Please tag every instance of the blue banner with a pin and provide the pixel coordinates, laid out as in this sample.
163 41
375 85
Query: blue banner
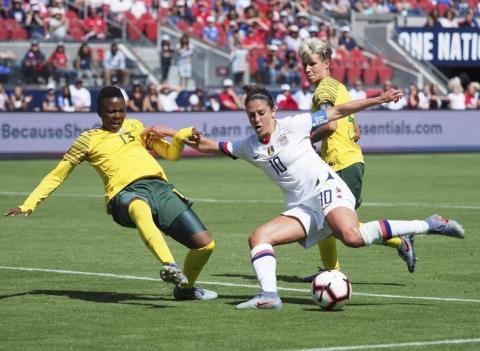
442 46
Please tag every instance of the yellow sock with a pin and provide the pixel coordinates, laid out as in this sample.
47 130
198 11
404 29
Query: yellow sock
393 242
328 253
141 215
194 262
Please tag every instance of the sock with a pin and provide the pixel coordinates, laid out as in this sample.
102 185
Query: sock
393 242
194 262
383 230
141 215
328 253
264 265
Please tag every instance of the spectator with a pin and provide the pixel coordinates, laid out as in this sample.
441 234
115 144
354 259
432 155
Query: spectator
114 63
290 72
64 101
150 101
17 13
293 40
35 23
432 21
270 66
357 92
196 101
229 100
95 25
471 96
469 20
413 98
166 55
456 97
167 99
3 99
135 101
238 57
85 65
210 31
252 40
285 100
213 103
118 9
34 65
424 97
81 98
124 92
313 31
392 105
57 24
184 64
449 20
303 97
49 103
58 63
18 102
346 41
436 99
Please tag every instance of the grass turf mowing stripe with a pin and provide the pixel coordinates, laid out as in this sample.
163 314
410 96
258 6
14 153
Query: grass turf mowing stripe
249 286
254 201
395 346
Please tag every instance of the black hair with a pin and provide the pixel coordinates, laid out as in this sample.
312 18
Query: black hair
255 91
107 93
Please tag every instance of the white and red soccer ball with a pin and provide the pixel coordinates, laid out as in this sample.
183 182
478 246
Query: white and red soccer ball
331 290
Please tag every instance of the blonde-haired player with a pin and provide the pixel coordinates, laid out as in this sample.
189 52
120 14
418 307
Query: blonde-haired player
339 143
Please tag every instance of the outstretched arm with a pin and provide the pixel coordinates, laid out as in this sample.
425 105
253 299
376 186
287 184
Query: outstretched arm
48 185
154 140
201 143
343 110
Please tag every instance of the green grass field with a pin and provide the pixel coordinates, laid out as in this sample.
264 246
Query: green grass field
131 309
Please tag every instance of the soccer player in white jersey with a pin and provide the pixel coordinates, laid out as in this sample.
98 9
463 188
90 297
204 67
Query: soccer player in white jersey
318 202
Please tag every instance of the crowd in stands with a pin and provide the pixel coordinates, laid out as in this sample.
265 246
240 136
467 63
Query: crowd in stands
261 36
164 98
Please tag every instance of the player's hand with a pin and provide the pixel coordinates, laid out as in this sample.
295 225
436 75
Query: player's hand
194 140
16 211
391 95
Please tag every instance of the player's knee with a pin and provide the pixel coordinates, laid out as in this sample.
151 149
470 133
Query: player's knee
351 237
259 236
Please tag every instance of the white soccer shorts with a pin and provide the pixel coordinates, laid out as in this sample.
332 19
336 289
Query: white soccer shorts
311 214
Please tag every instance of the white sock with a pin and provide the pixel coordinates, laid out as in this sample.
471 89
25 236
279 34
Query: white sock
264 265
380 231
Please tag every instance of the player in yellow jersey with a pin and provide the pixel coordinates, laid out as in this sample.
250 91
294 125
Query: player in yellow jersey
339 144
137 192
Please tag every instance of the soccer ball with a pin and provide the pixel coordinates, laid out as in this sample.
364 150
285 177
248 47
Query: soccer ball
331 290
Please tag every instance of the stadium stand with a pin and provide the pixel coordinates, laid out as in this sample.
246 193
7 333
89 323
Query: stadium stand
270 30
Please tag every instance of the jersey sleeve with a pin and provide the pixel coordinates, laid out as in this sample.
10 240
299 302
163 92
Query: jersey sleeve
172 151
48 185
79 149
325 94
234 150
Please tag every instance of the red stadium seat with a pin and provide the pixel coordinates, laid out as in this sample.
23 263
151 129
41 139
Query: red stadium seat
152 31
338 70
353 74
385 73
19 34
182 25
370 75
373 92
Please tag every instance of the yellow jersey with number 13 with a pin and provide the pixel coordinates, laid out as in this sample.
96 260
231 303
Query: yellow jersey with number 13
339 150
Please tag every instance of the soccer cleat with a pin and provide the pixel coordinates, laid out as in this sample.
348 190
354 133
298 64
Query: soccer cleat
172 273
194 294
443 226
261 302
310 278
407 252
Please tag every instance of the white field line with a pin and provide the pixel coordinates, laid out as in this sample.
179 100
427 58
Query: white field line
249 286
395 346
255 201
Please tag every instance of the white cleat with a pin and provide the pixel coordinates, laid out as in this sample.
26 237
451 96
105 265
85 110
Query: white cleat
261 302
